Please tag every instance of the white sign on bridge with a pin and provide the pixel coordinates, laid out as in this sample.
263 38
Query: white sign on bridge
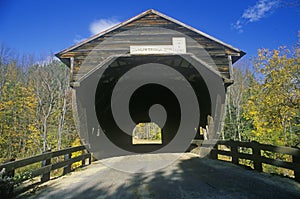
178 47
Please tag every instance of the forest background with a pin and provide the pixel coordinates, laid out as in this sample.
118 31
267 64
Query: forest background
263 104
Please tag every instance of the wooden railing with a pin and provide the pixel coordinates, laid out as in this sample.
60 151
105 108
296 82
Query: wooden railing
46 163
254 152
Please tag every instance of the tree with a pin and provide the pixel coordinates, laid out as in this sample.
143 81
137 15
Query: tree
17 114
51 88
237 95
274 105
35 106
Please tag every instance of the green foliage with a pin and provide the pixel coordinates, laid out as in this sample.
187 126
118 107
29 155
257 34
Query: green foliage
149 131
273 108
236 125
6 185
76 142
264 103
35 107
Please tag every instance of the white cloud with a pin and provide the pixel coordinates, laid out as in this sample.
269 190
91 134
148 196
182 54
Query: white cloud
78 39
238 26
261 9
101 25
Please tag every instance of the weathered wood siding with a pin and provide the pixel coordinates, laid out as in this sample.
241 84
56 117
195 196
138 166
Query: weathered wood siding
150 29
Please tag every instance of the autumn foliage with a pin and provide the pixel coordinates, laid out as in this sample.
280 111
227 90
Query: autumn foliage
267 99
35 106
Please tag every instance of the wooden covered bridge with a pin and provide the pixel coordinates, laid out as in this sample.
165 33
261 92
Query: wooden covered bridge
158 45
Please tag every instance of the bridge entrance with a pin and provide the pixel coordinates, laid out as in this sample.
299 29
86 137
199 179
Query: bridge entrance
149 95
150 68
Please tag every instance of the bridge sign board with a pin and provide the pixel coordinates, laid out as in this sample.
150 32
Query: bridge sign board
178 47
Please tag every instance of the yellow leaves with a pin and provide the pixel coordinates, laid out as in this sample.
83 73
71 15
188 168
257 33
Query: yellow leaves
141 124
10 102
32 128
256 133
76 142
269 130
274 104
253 113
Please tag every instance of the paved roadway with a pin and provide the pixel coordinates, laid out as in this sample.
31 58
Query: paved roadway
187 177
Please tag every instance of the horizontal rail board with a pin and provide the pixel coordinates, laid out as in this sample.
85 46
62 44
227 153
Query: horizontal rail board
45 162
70 161
280 163
41 171
281 149
66 151
28 161
24 162
257 157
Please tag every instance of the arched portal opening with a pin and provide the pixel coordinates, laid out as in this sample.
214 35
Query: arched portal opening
147 133
145 97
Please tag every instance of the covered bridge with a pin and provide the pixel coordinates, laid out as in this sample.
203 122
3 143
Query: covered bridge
119 76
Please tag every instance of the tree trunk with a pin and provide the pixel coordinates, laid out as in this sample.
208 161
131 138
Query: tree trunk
61 123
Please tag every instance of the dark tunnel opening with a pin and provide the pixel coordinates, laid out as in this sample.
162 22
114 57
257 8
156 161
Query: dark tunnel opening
145 97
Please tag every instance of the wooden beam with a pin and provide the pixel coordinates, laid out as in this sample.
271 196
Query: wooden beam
71 68
230 67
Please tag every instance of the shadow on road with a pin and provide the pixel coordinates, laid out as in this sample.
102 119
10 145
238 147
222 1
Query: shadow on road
189 177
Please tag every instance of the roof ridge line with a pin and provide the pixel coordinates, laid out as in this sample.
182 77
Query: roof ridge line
149 11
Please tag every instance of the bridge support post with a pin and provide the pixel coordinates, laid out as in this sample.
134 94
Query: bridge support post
46 176
214 153
83 160
234 152
256 156
67 168
12 172
10 188
296 169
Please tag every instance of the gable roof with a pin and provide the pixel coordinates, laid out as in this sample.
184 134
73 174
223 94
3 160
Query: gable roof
237 53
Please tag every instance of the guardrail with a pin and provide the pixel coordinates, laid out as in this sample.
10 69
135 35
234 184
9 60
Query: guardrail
236 150
8 169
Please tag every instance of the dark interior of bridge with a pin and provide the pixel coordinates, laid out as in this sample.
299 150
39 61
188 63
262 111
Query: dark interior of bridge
146 96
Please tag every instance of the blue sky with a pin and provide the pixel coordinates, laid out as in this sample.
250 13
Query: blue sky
39 27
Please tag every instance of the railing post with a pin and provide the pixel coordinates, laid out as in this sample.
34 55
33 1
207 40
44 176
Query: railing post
90 158
46 176
296 160
214 153
256 156
12 172
10 186
83 160
234 152
67 168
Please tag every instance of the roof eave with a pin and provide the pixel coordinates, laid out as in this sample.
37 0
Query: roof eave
102 33
59 54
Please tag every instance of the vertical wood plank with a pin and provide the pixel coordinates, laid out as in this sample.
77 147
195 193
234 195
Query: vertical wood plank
46 176
234 152
230 68
10 188
296 160
90 158
67 168
83 160
214 153
10 173
71 68
256 156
